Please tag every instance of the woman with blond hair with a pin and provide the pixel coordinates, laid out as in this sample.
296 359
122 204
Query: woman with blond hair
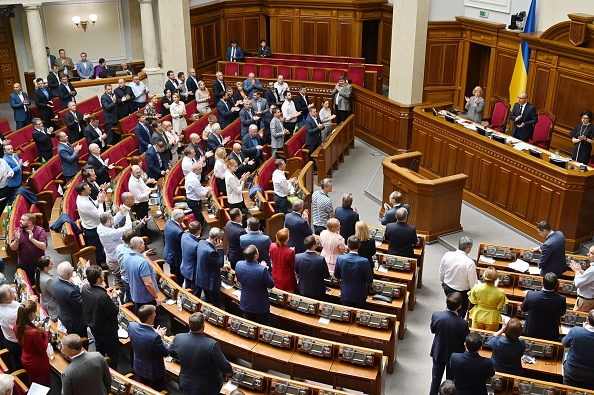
332 242
367 248
202 98
487 300
283 262
220 168
150 110
173 141
33 339
178 114
475 105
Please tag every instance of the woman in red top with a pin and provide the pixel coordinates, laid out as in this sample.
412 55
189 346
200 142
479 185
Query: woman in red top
283 262
34 341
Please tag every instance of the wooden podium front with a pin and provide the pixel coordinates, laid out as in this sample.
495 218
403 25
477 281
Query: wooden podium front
435 204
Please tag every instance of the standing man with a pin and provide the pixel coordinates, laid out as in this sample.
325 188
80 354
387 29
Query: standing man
277 132
584 281
252 145
195 192
524 117
312 270
43 139
290 113
75 123
128 200
51 59
248 117
226 111
173 252
44 103
189 263
141 192
259 105
457 272
348 216
401 236
84 67
201 360
68 156
251 85
9 307
282 187
101 313
450 331
53 81
124 95
192 83
272 96
156 166
149 348
69 299
552 257
66 92
110 113
143 133
471 371
355 275
111 238
578 369
303 105
234 230
257 238
219 88
342 94
390 209
139 91
255 282
234 52
172 83
19 102
30 242
65 64
85 370
210 261
298 225
313 127
16 165
321 206
544 308
215 140
94 134
89 211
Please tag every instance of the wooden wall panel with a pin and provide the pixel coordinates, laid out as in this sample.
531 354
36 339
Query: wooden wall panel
234 30
345 38
9 71
541 87
308 32
575 93
287 36
502 187
504 69
433 60
450 55
252 34
322 38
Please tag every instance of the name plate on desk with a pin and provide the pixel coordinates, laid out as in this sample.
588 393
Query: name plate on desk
166 288
118 387
123 321
567 288
283 387
227 277
573 318
138 391
495 383
582 261
213 209
485 337
525 387
395 263
377 234
499 252
276 338
314 347
277 298
381 288
530 256
578 392
247 380
54 338
215 317
236 325
530 282
356 356
539 350
303 306
372 320
188 304
334 312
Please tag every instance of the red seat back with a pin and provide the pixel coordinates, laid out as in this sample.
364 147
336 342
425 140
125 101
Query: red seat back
295 142
265 175
231 68
249 68
285 71
232 131
543 129
318 75
266 71
21 137
356 73
335 74
4 126
198 126
499 115
190 109
127 124
302 73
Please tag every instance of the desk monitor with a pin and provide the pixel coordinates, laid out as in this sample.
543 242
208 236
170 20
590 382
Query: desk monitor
536 153
450 118
105 73
481 131
561 163
499 139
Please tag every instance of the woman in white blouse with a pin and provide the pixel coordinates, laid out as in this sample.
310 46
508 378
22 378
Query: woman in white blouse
234 187
173 141
202 98
220 168
178 113
326 116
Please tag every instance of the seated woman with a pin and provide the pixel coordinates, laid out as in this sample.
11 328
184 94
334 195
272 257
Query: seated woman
508 350
487 300
102 66
332 242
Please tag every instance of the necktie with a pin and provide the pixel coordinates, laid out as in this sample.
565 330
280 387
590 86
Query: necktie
92 201
160 161
521 109
45 93
226 105
232 54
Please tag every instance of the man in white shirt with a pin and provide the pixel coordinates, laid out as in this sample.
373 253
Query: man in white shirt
5 191
457 272
280 86
89 211
290 114
141 192
140 90
8 315
282 187
137 225
189 159
111 238
195 192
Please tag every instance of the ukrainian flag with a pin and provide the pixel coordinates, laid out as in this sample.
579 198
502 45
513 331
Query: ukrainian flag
520 76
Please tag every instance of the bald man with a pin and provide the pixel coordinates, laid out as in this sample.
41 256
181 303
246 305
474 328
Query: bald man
245 164
19 102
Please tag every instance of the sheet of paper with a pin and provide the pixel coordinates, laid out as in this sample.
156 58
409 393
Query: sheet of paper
534 271
505 319
382 269
211 216
226 286
486 259
520 266
230 386
521 146
122 333
38 389
324 320
565 329
237 293
170 302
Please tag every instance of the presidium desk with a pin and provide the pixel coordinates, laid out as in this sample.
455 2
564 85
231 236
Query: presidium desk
511 185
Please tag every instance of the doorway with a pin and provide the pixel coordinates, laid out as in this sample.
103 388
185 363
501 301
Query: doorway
478 70
369 41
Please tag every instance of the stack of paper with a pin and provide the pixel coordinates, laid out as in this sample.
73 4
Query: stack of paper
520 266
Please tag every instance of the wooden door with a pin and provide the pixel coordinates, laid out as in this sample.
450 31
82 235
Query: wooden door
9 73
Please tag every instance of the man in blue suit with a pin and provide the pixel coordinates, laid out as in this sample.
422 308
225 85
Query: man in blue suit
19 102
257 238
68 156
390 209
234 230
471 371
298 226
255 282
544 307
347 215
401 236
252 84
84 67
173 251
313 127
226 111
247 117
355 275
524 117
189 263
143 133
210 261
110 113
149 348
234 52
552 257
16 164
69 299
450 332
156 166
312 270
252 144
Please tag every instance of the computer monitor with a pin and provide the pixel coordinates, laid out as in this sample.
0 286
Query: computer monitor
481 131
450 118
499 139
536 153
558 162
106 73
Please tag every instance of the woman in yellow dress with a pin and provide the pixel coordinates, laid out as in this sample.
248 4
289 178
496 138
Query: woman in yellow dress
487 300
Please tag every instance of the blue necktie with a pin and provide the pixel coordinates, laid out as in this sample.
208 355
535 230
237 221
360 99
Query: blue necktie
45 93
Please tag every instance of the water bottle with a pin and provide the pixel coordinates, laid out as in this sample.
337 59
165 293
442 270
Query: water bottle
50 351
179 304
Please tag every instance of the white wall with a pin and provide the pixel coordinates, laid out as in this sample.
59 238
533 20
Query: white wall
556 11
445 10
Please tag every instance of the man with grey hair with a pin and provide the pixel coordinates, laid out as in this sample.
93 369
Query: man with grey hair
137 225
195 192
6 384
85 371
141 192
111 238
9 307
215 140
210 261
173 252
69 299
401 236
321 206
298 225
457 272
252 144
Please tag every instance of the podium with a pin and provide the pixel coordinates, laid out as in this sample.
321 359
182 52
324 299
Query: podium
435 204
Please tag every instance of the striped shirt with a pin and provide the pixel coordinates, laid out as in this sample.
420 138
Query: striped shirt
321 207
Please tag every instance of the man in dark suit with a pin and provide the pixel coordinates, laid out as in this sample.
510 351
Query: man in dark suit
298 225
101 313
101 166
210 261
215 140
272 96
390 209
70 301
44 103
544 308
257 238
524 117
450 332
347 215
66 92
312 269
149 348
313 127
94 134
124 97
302 104
53 81
189 263
233 231
192 82
143 133
172 235
252 145
552 251
156 167
255 281
19 102
88 373
247 117
202 363
471 371
75 123
219 87
43 139
68 156
244 163
172 84
110 113
355 275
51 59
226 111
234 52
401 236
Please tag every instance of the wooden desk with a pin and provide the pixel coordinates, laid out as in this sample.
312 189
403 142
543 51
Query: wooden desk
397 276
506 183
334 148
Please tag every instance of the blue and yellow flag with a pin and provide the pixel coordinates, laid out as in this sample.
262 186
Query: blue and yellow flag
520 76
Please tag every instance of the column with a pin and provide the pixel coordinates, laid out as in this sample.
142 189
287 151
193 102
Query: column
37 39
149 46
175 36
407 60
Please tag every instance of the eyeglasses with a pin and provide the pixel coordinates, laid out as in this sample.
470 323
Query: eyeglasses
586 118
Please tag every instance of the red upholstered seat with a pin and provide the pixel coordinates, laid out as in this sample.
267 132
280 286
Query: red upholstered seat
190 109
301 73
285 71
499 114
378 68
336 73
89 106
250 59
57 105
198 126
127 124
543 130
34 111
356 74
318 75
266 71
249 68
296 142
265 175
21 137
232 131
231 68
4 126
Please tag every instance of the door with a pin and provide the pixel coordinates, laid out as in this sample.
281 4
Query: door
9 73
